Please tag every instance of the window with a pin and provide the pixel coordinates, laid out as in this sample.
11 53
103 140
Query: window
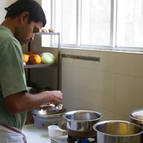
130 23
65 20
95 22
110 24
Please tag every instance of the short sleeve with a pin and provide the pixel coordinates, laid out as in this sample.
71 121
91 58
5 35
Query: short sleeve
12 75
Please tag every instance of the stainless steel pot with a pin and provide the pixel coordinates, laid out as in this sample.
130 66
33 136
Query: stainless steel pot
118 131
80 122
136 117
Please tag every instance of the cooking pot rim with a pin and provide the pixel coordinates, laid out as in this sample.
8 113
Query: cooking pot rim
36 113
109 121
88 111
133 117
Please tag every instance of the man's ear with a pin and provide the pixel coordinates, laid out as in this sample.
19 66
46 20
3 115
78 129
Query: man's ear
24 17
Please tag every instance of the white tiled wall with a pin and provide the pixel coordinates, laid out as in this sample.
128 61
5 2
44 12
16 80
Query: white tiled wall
113 86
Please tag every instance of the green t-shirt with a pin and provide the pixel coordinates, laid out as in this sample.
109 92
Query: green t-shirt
12 76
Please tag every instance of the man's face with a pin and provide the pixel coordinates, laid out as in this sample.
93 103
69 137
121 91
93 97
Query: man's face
26 32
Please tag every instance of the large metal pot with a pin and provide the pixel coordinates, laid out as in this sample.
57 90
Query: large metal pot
136 117
118 131
80 122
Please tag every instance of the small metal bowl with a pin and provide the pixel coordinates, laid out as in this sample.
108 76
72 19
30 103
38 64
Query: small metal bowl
80 123
136 117
48 111
82 120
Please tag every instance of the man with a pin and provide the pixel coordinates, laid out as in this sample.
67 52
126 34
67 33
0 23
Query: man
24 18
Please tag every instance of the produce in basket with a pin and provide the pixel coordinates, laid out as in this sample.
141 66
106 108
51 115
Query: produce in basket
25 58
47 58
35 59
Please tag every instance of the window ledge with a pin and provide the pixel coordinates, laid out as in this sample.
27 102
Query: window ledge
106 49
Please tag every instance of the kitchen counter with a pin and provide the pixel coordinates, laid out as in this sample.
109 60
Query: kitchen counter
36 135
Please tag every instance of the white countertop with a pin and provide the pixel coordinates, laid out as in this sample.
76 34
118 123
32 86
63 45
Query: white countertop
36 135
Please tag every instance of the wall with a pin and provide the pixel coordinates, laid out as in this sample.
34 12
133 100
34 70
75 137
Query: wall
112 86
6 3
3 4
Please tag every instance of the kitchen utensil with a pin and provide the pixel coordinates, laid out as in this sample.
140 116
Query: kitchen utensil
136 117
52 108
80 122
43 118
50 111
55 131
43 123
118 131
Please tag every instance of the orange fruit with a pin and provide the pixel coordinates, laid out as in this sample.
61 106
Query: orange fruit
26 58
35 59
31 53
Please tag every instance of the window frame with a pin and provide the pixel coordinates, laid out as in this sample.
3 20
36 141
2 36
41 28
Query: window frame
113 29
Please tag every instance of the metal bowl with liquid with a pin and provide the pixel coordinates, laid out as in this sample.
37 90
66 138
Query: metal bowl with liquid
118 131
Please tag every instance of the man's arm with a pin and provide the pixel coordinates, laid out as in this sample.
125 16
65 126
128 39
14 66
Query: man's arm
25 101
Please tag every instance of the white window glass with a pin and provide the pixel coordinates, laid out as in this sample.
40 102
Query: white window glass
46 5
95 23
130 23
65 20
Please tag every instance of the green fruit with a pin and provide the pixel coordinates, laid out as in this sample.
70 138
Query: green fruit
47 58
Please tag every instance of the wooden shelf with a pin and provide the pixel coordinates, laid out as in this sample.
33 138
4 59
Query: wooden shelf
31 66
47 33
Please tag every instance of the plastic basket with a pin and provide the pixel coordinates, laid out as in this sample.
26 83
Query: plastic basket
43 123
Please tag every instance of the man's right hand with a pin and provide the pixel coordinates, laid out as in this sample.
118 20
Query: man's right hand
55 96
25 101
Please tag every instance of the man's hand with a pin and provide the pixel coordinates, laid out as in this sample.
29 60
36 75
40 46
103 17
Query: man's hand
55 96
25 101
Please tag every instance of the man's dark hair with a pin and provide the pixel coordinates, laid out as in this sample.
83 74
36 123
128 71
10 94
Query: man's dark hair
36 13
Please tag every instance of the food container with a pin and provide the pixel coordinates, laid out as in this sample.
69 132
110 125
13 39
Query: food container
118 131
55 131
80 122
49 110
43 123
136 117
44 118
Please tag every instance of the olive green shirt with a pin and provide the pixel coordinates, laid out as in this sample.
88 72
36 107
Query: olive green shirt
12 76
